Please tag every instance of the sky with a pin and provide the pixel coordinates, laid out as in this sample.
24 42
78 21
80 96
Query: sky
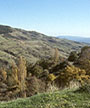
51 17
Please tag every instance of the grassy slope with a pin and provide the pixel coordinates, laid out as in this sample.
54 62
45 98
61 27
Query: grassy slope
62 99
32 45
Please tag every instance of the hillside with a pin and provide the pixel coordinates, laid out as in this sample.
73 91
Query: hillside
60 99
32 45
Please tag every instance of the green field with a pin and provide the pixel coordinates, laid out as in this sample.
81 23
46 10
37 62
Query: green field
59 99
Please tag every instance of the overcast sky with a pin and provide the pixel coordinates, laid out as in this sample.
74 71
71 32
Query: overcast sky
51 17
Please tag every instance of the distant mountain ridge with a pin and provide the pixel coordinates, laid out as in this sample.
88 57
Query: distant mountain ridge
76 38
32 45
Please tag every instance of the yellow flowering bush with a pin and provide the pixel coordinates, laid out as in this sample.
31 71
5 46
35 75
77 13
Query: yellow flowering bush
51 77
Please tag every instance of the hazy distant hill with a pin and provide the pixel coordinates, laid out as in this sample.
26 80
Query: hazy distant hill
76 38
32 45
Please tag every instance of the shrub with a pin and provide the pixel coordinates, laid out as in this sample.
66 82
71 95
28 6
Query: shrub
32 86
13 82
84 59
71 73
85 88
3 74
13 76
56 55
51 77
73 56
37 71
85 48
22 74
44 63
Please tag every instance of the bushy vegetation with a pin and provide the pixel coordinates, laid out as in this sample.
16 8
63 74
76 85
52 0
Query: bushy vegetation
73 56
23 80
71 73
